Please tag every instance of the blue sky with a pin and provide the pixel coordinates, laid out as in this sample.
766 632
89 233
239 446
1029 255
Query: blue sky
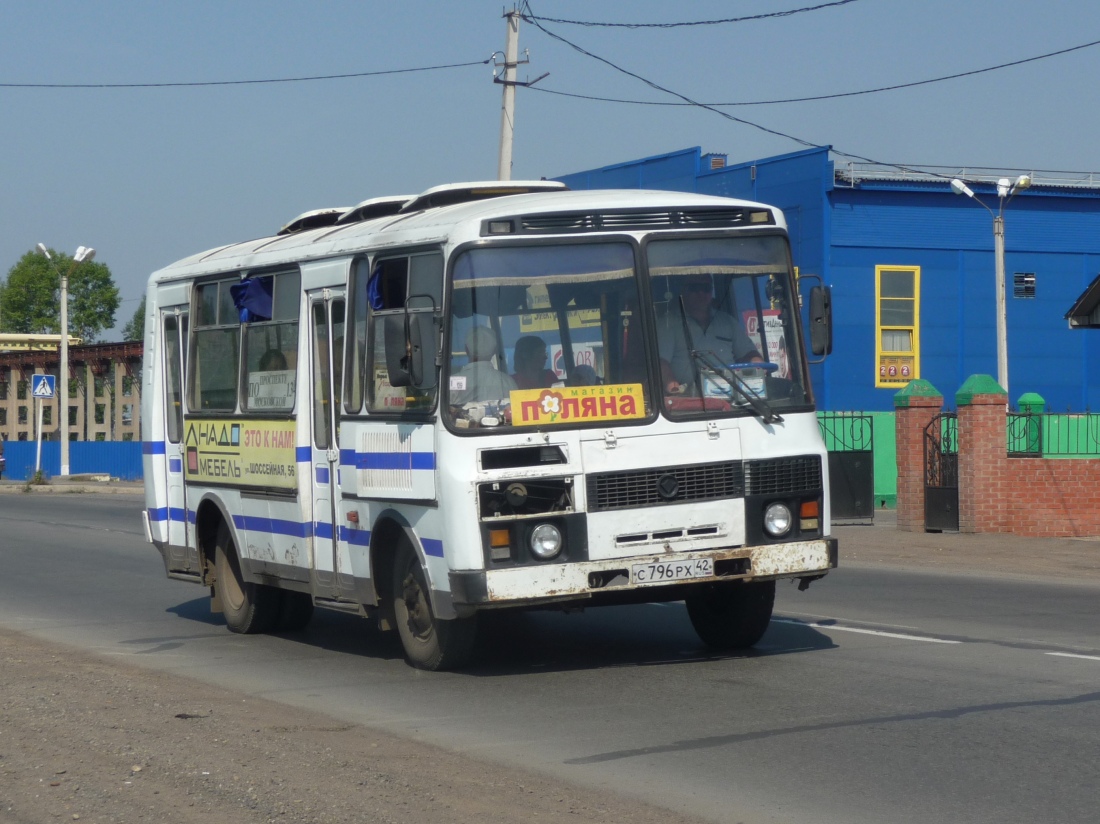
147 176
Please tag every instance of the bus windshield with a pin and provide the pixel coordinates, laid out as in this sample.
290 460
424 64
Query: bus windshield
546 335
727 326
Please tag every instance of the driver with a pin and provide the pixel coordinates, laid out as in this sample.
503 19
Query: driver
712 330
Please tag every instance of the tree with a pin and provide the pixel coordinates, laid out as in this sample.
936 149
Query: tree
30 297
135 329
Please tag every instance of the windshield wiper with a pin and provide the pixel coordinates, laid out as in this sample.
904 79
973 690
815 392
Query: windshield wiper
737 384
711 362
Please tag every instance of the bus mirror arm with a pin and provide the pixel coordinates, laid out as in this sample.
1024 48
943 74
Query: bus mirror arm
404 353
405 346
821 320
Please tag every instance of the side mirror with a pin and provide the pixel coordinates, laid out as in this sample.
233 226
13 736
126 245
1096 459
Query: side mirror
404 350
821 320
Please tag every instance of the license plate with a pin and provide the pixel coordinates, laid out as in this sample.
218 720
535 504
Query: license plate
660 572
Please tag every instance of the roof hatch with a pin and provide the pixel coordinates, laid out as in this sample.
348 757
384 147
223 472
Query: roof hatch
452 193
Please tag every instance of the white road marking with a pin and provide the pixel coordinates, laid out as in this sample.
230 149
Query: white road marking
847 620
1072 655
818 625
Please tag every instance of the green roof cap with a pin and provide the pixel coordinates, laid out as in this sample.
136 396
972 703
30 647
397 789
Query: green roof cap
978 385
916 389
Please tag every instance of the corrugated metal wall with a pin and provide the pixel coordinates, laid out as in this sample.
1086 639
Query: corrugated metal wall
119 459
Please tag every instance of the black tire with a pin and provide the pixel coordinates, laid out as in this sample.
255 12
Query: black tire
430 643
248 608
731 616
295 611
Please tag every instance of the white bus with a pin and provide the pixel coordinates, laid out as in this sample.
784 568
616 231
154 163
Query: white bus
488 397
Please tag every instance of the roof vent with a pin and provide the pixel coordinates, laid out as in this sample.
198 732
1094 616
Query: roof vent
316 219
452 193
373 208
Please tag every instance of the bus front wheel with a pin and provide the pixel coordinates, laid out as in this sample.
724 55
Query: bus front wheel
430 643
248 608
731 616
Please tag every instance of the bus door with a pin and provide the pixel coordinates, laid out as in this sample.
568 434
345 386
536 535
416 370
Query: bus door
331 565
173 329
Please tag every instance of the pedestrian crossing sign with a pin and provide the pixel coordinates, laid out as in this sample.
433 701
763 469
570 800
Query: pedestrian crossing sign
43 387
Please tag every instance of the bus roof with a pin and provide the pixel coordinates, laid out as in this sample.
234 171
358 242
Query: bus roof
631 210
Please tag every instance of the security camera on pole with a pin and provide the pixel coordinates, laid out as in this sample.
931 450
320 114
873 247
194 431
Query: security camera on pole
83 253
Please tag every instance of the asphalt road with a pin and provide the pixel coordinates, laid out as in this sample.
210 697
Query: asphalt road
879 695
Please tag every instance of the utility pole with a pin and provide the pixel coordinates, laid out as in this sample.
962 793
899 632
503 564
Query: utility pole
63 377
83 253
1002 308
508 104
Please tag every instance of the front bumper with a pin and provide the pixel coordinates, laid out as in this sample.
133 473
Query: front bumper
547 583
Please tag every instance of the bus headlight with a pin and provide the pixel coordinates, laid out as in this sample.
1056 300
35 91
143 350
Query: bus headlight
545 541
777 520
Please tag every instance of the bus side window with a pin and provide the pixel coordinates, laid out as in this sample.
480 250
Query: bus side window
215 366
271 346
356 347
173 387
413 283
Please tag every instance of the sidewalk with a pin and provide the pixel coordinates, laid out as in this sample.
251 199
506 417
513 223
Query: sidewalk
103 484
987 553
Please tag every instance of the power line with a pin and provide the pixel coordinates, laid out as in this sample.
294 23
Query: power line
837 94
529 16
692 22
238 82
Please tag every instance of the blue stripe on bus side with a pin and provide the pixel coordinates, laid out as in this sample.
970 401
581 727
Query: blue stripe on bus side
355 537
165 513
432 547
303 454
274 526
152 447
388 460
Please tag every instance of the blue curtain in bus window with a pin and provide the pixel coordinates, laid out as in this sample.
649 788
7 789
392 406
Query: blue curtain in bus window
252 297
374 290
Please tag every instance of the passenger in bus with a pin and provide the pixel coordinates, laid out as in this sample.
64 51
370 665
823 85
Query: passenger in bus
479 380
711 330
530 361
583 375
273 360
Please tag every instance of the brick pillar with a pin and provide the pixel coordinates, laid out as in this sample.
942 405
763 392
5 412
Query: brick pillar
914 408
983 456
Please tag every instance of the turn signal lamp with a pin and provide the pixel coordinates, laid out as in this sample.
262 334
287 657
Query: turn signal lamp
809 516
500 544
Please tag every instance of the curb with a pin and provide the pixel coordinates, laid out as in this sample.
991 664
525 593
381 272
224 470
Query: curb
73 487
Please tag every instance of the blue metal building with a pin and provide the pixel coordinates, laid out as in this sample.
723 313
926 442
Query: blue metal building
912 268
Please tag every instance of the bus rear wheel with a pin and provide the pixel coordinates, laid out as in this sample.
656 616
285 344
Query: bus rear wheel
731 616
430 643
248 608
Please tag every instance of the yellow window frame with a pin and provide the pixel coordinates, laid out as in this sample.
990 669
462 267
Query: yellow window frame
891 366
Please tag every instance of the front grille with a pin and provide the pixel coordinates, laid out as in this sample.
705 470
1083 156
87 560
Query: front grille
783 475
643 488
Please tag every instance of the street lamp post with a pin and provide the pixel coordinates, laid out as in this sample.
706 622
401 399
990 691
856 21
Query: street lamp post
1006 190
83 253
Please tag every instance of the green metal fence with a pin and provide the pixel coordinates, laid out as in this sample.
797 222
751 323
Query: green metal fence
1053 435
